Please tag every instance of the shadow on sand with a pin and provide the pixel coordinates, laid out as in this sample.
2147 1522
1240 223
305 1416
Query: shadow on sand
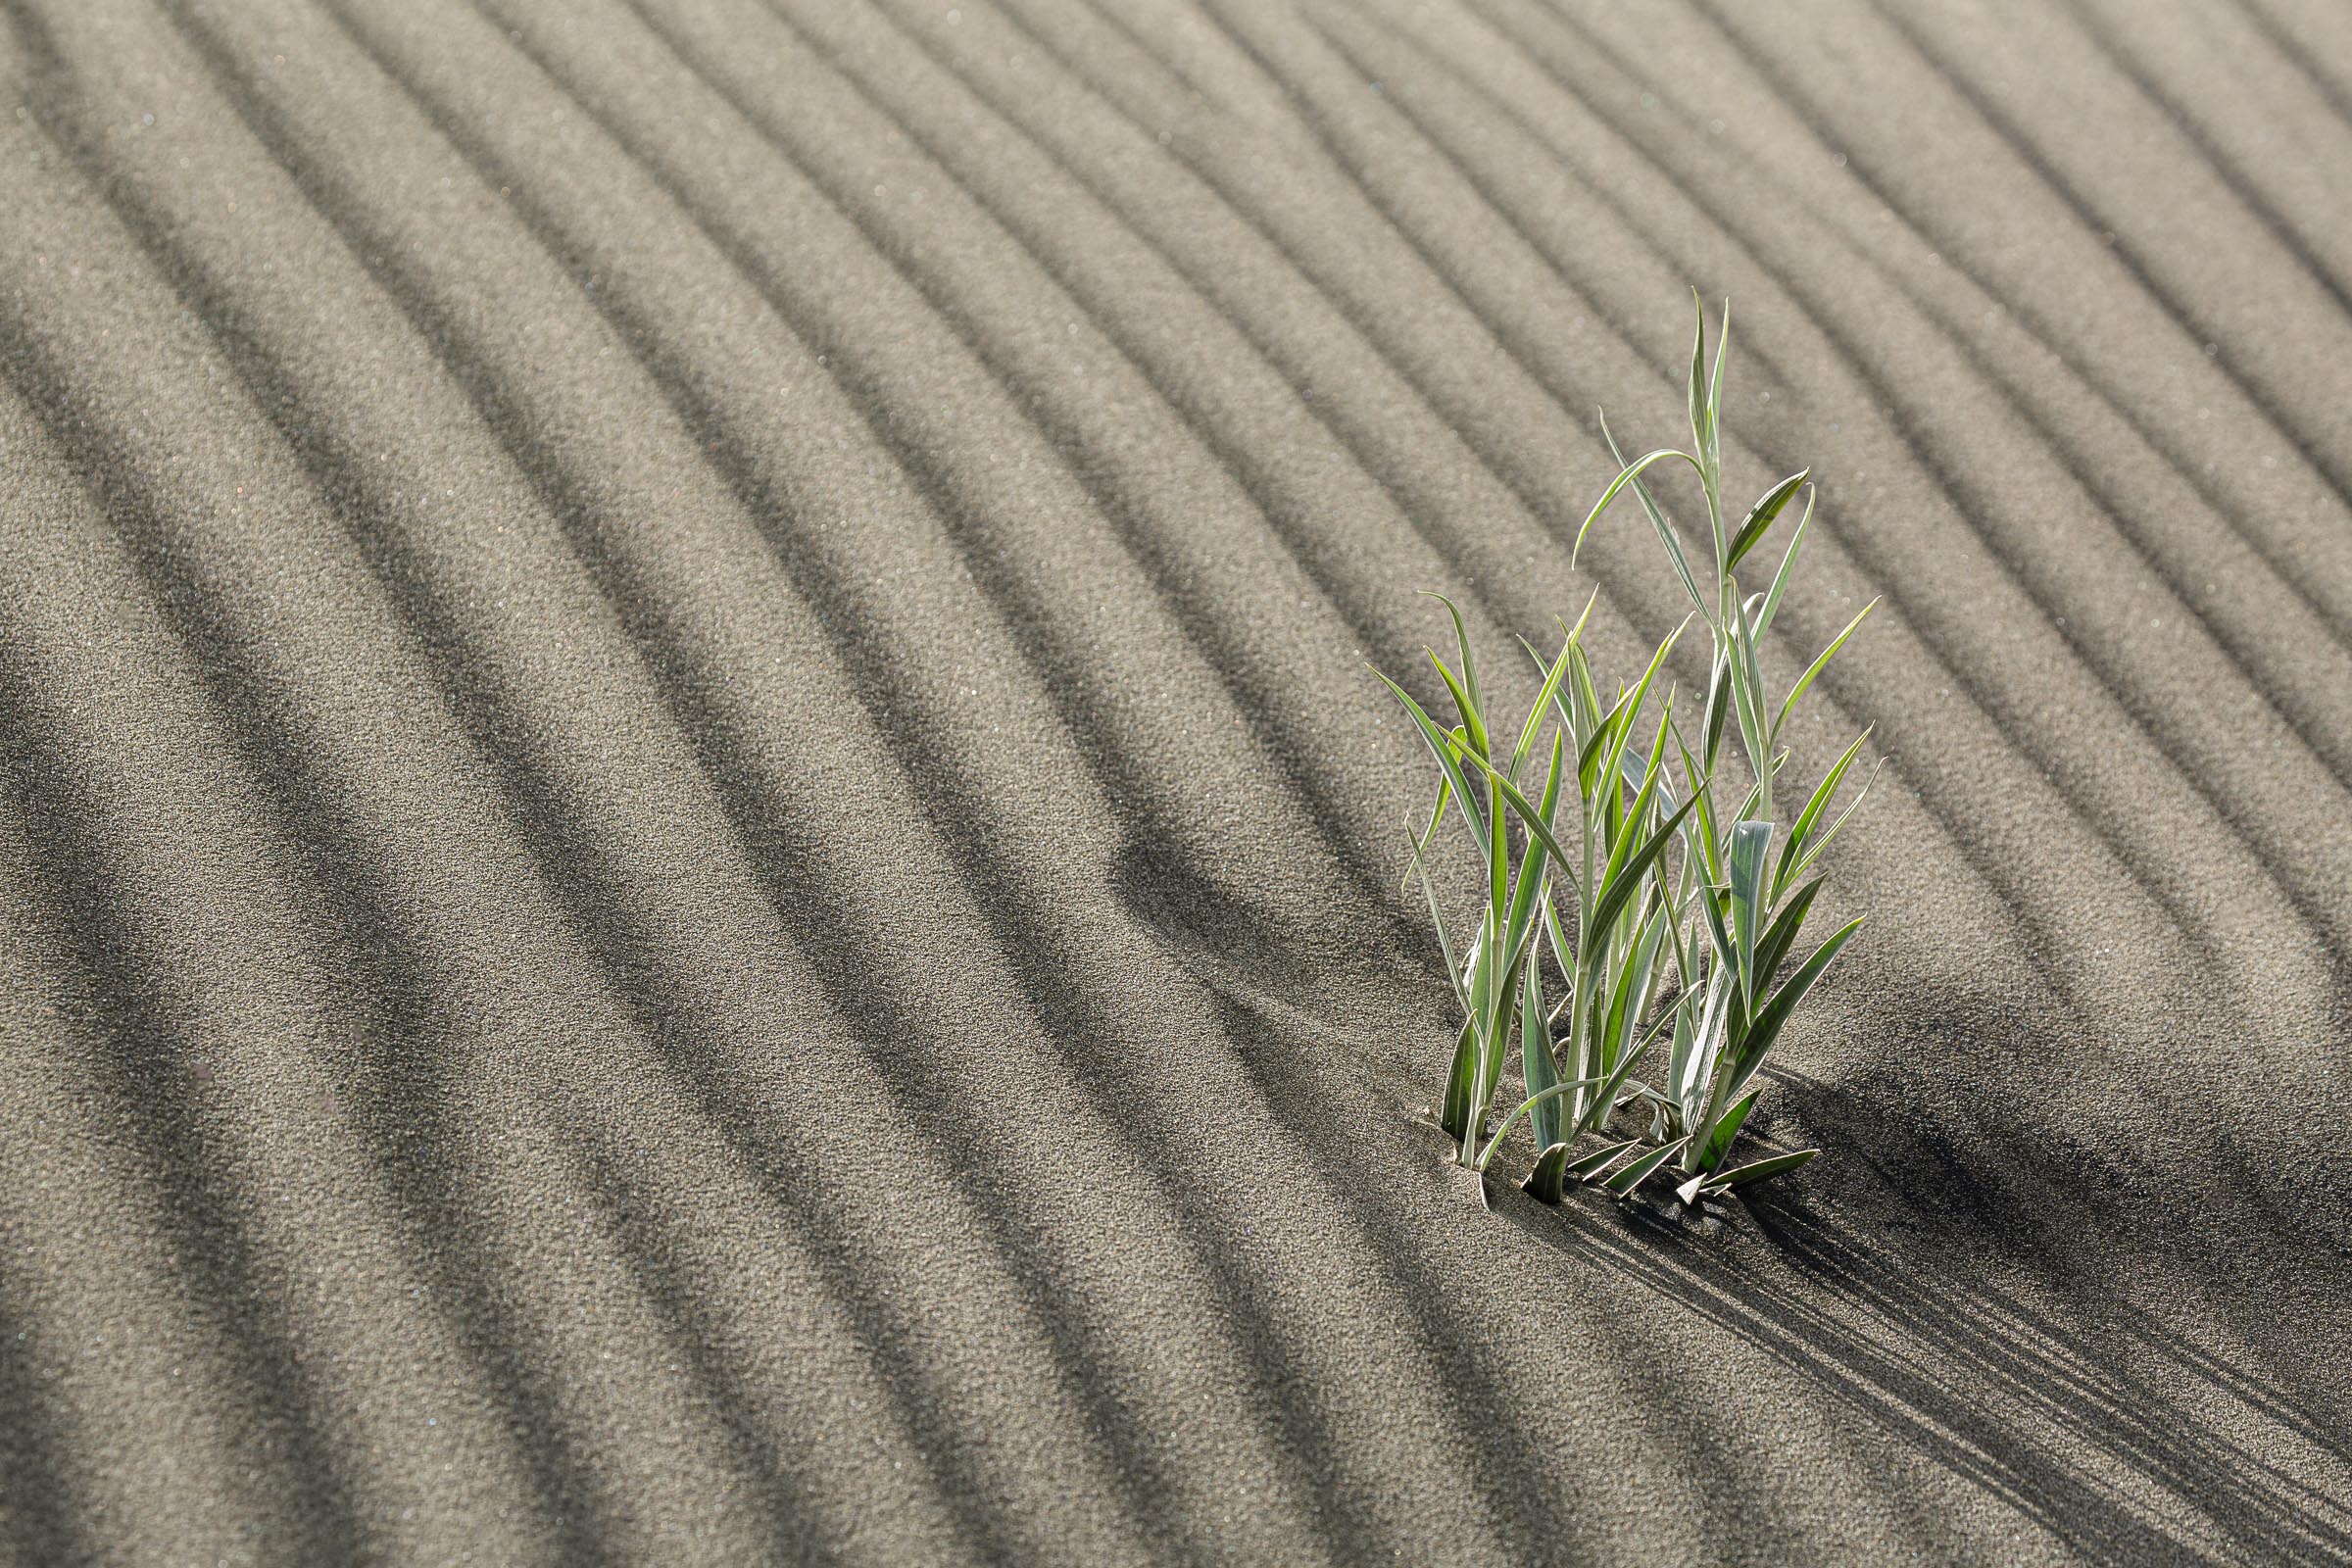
1913 1293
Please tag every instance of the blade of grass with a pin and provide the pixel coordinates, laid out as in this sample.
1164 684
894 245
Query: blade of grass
1822 842
1750 843
1719 708
1535 822
1454 968
1819 665
1624 827
1641 695
1698 388
1421 845
1449 758
1512 1120
1665 531
1534 726
1761 516
1455 1112
1588 760
1710 860
1531 865
1613 900
1461 640
1726 1128
1583 706
1629 999
1597 1111
1766 1026
1535 1055
1622 1184
1474 722
1547 1181
1773 946
1755 1172
1629 472
1587 1166
1748 703
1780 578
1723 349
1822 794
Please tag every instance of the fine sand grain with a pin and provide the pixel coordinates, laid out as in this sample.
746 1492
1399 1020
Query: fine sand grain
695 864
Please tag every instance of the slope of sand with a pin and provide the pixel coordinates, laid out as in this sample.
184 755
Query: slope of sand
696 865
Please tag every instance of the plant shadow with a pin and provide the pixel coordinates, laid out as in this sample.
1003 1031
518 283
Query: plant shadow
2080 1410
1930 1279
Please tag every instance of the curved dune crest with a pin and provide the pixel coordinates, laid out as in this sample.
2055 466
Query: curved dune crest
697 865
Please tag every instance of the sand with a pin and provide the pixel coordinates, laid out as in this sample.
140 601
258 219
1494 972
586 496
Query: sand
697 868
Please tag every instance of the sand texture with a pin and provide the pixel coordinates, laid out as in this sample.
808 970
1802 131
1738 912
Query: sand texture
696 865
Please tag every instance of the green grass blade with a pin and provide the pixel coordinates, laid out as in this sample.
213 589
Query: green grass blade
1819 803
1461 640
1597 1109
1683 1067
1535 1055
1719 708
1819 665
1748 694
1641 696
1535 715
1626 475
1624 825
1719 931
1723 350
1698 385
1727 1127
1522 942
1536 824
1710 860
1454 968
1474 722
1750 843
1421 844
1456 1112
1531 865
1697 1093
1769 1021
1665 531
1501 1001
1821 841
1584 705
1614 896
1547 1183
1560 949
1480 983
1512 1120
1630 998
1576 632
1588 760
1761 516
1780 578
1667 802
1757 1171
1450 758
1772 948
1619 998
1622 1184
1585 1167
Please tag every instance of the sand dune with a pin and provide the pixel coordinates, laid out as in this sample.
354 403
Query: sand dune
698 866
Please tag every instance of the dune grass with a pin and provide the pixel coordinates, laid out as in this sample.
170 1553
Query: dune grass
1672 900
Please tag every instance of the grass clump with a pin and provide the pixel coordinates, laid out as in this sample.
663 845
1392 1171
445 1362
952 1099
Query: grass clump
1658 875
